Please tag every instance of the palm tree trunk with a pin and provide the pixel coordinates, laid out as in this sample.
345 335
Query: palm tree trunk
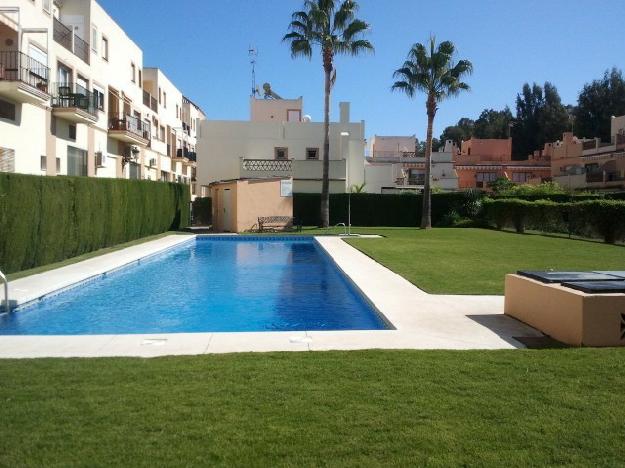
325 180
426 212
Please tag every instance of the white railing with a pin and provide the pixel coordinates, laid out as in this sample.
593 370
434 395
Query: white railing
7 305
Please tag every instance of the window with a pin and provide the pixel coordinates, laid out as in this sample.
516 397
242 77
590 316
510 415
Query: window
281 153
293 115
134 171
164 176
7 110
64 74
312 153
160 95
43 163
58 165
133 73
164 99
486 176
140 78
94 39
177 111
105 48
7 160
521 177
76 161
162 133
98 98
72 132
45 4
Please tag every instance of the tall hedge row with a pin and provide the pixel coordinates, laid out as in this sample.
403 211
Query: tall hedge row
369 209
589 218
49 219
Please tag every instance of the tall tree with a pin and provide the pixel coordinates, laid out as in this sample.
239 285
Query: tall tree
493 124
432 70
540 118
332 26
597 103
460 132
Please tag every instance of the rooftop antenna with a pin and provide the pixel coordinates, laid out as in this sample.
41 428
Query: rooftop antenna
253 53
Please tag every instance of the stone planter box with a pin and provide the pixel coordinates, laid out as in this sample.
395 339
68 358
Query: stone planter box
567 315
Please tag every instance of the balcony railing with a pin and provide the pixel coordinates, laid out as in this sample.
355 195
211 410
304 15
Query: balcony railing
131 124
65 36
73 96
17 66
185 153
62 34
149 101
595 176
268 165
81 49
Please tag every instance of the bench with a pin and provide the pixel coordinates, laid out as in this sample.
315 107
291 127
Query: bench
275 223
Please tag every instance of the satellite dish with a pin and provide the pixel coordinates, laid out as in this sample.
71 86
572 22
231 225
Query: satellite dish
307 119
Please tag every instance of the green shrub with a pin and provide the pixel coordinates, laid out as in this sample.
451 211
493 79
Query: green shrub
374 209
588 218
202 211
48 219
607 217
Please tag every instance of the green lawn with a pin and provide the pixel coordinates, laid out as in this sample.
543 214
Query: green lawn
440 408
475 261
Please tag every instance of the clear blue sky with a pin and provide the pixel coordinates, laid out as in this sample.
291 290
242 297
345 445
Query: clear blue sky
202 46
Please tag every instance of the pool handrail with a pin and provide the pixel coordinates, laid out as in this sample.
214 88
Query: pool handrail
3 278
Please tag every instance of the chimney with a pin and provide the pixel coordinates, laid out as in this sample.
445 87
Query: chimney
344 107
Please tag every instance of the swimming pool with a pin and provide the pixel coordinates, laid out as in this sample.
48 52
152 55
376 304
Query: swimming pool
212 284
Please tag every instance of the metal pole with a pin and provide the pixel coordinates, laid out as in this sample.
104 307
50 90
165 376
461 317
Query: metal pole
7 306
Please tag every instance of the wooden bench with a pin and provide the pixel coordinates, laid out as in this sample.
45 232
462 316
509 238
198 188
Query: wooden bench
275 223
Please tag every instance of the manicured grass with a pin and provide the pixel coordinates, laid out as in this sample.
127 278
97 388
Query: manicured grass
95 253
440 408
475 261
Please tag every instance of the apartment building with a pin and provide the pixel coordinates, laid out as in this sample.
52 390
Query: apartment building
579 163
482 161
393 165
75 98
279 141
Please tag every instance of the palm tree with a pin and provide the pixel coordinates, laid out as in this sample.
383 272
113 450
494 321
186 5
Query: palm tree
435 73
333 27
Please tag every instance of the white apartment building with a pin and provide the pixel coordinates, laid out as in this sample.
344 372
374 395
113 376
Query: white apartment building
279 141
393 166
75 98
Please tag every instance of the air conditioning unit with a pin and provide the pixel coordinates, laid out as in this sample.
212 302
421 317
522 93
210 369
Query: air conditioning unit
153 162
100 159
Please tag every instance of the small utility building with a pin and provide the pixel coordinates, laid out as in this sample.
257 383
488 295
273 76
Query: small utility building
237 204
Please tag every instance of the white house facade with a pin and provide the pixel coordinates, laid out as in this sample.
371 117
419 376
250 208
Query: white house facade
393 165
75 98
279 141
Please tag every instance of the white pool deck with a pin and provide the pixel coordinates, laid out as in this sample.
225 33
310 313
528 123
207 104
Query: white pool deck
421 320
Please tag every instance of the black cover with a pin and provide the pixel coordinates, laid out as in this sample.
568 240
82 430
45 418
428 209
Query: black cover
598 287
568 276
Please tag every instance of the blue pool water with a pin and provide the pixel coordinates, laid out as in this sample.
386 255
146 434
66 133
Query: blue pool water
208 285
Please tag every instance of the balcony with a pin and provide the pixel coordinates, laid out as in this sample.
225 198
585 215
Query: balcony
71 41
71 101
129 129
22 78
299 169
188 158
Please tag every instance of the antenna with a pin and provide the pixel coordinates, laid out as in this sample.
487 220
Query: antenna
253 53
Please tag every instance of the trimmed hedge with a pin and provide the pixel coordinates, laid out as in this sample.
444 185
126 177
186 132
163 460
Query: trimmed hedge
588 218
49 219
370 209
202 209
